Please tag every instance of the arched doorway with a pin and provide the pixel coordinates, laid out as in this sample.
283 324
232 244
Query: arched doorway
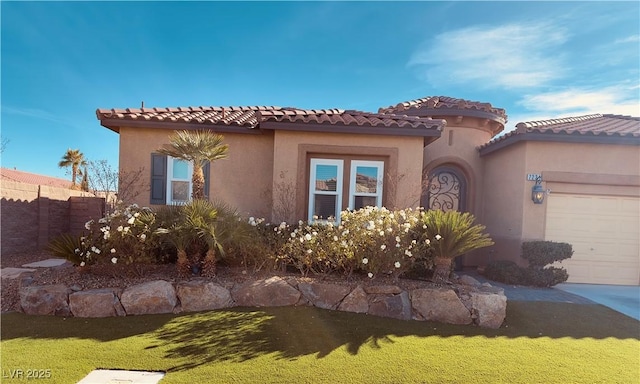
446 189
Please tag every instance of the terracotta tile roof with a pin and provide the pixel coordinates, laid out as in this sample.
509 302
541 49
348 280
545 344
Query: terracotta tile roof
598 128
226 116
349 118
435 104
252 117
32 178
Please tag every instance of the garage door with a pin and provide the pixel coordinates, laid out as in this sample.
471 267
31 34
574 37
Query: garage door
604 232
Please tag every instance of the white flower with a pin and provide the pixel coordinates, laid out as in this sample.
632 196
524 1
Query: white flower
119 229
370 275
381 233
143 237
371 225
424 226
309 251
397 245
427 241
307 237
389 229
136 214
87 225
438 237
82 264
114 260
283 225
365 261
335 238
131 220
125 229
397 264
408 253
106 235
77 250
397 239
383 247
293 234
113 250
302 239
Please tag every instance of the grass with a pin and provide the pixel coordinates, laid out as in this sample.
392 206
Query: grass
539 343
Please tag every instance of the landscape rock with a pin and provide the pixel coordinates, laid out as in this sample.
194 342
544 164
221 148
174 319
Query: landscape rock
271 292
468 280
396 306
14 273
152 297
357 301
94 303
200 295
490 309
440 304
383 289
326 296
45 300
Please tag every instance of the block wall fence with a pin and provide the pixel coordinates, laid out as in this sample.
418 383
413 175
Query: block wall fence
32 215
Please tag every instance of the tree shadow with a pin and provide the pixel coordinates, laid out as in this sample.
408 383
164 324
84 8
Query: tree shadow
240 334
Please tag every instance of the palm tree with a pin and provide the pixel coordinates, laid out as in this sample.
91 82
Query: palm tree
75 159
196 147
451 234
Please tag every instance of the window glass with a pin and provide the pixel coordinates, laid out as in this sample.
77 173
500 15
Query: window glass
325 206
326 177
366 179
180 169
364 201
179 191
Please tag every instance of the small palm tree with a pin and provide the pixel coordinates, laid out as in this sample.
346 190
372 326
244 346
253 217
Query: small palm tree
451 234
196 147
75 159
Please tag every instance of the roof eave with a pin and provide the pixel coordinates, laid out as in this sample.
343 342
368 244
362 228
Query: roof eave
433 132
116 124
558 137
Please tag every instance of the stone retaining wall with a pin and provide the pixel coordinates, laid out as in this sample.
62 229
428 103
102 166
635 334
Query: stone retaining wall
469 303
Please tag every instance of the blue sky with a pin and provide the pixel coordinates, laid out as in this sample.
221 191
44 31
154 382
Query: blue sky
538 60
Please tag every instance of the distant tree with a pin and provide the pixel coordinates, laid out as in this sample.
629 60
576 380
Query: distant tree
3 144
196 147
84 184
73 159
108 181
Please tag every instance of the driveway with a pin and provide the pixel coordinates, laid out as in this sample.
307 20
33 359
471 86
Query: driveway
621 298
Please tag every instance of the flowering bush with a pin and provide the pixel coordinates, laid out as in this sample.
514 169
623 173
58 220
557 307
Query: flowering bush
124 236
372 240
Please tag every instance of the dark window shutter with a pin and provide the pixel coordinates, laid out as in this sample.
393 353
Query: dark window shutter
158 179
206 169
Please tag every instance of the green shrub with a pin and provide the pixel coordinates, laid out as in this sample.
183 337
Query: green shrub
505 271
66 246
542 253
544 277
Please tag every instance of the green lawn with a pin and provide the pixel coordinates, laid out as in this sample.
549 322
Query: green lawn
539 343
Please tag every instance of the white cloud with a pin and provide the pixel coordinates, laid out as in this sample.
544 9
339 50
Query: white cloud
506 56
630 39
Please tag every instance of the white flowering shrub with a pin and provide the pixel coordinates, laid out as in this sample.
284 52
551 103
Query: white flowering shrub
124 236
372 240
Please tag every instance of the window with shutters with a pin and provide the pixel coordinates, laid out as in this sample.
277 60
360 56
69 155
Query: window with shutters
171 180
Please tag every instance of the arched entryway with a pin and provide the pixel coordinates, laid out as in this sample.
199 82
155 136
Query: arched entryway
445 189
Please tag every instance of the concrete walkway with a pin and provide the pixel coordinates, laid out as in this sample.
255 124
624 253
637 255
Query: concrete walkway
620 298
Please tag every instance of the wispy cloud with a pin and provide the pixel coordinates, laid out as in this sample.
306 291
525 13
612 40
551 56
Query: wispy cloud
506 56
40 114
617 99
629 39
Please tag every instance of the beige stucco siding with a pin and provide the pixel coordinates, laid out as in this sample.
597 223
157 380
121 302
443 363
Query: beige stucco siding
578 168
243 179
403 156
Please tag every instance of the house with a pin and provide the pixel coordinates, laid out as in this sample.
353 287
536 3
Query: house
437 152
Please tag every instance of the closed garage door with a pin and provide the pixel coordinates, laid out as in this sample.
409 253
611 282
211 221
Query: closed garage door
604 232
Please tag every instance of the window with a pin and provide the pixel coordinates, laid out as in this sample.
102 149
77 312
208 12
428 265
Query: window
326 186
366 184
179 181
171 180
325 189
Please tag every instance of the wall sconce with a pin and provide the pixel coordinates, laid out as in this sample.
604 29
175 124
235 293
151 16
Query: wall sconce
537 192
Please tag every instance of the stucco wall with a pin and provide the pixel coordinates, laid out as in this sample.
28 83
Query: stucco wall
510 215
403 155
457 146
242 180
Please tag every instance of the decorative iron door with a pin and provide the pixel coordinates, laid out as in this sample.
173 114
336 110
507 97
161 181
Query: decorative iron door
446 190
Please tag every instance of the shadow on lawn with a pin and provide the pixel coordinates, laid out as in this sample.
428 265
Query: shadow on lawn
240 334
